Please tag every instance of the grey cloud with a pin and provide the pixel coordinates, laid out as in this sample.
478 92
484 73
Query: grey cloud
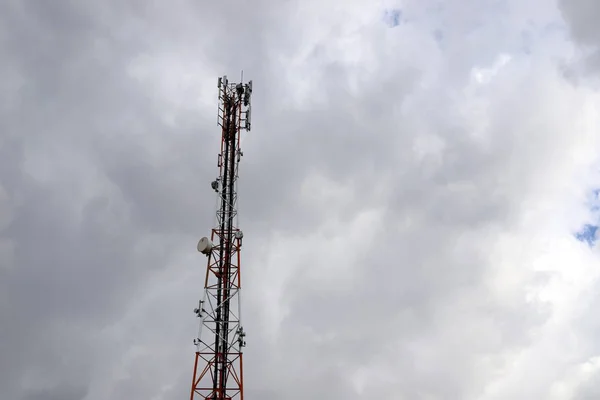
581 17
78 258
590 390
414 272
65 392
107 197
68 270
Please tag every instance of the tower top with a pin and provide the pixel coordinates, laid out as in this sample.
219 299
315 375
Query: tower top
235 93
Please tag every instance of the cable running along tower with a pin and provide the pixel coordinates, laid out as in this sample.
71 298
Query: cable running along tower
221 338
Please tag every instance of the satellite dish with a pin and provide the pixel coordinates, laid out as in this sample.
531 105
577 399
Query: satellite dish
205 246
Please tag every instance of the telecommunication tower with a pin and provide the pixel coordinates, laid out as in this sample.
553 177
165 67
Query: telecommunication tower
218 373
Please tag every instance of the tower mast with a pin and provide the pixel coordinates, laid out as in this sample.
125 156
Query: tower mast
218 373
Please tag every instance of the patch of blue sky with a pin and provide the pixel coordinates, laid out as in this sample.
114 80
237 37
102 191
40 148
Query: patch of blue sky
590 232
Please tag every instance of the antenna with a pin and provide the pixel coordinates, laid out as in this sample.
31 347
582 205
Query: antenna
221 338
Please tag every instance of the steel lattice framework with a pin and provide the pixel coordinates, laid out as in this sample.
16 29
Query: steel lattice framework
218 372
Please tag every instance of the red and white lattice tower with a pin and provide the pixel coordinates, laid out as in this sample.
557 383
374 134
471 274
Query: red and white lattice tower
221 338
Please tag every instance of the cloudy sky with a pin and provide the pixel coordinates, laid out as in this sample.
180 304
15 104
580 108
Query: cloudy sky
417 196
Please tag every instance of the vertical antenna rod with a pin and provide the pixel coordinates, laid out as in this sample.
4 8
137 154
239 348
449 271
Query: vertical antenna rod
218 373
